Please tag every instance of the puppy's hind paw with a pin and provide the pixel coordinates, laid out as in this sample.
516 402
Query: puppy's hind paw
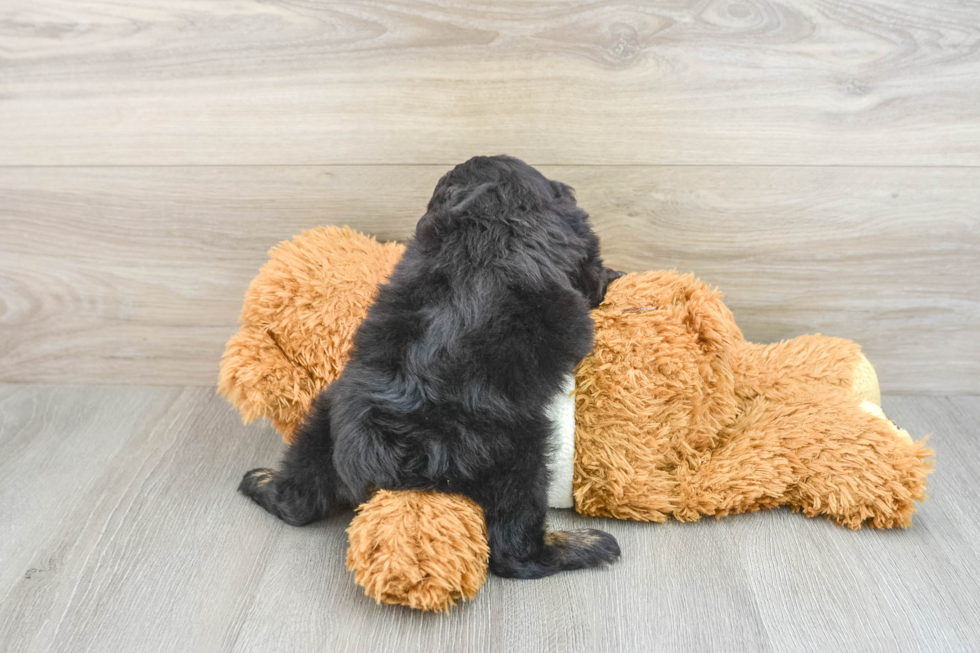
257 485
583 548
255 480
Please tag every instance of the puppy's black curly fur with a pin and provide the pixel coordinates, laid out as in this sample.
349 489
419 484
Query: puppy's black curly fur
453 369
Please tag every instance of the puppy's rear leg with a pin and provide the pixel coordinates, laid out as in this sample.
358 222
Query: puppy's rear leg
304 488
520 547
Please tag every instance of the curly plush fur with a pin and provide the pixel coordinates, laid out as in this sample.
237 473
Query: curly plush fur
425 550
454 366
676 415
298 322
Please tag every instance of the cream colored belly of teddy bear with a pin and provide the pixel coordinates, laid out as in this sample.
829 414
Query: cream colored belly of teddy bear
561 454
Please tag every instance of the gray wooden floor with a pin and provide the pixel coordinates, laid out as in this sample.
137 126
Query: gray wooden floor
120 530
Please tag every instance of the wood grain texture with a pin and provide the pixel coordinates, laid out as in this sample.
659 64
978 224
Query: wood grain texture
799 82
136 275
139 541
123 532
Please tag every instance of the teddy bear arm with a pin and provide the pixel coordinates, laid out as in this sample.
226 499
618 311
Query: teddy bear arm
747 471
261 381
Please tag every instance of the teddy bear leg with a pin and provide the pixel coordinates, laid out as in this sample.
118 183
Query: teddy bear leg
305 487
780 369
821 453
864 382
852 464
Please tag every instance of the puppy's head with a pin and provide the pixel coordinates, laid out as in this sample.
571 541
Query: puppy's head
494 182
508 201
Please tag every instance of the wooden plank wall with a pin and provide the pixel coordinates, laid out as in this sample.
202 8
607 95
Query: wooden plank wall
819 161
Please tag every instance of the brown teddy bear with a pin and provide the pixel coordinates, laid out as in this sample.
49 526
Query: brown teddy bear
672 414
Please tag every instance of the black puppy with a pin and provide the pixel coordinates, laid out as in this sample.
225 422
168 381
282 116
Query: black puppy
455 365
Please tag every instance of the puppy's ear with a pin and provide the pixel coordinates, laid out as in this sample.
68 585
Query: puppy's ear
592 280
563 191
608 276
425 227
448 203
460 198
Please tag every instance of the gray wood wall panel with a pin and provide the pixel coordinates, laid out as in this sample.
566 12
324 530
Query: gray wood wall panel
796 82
136 274
816 160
